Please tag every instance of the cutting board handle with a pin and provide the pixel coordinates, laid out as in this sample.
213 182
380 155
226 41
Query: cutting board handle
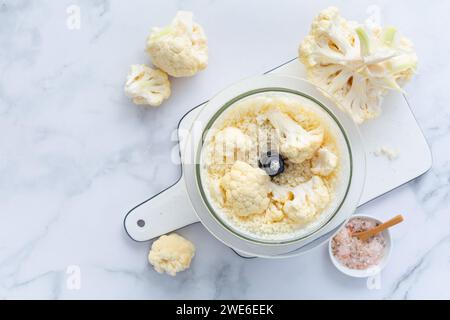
165 212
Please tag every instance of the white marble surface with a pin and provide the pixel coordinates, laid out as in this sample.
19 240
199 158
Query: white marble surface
76 155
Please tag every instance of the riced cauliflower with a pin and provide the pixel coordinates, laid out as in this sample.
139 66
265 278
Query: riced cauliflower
147 86
324 162
297 144
356 64
179 49
246 189
231 144
171 254
309 199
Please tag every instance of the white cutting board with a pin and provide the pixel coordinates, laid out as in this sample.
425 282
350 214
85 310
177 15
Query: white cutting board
396 128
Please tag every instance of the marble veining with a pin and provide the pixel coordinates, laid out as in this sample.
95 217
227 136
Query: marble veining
76 154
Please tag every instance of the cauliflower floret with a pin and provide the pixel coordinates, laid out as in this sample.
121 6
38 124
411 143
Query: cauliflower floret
354 64
331 40
147 86
309 199
246 189
274 214
324 162
231 144
297 144
171 254
180 49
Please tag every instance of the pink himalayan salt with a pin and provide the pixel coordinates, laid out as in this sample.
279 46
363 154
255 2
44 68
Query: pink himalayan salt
355 253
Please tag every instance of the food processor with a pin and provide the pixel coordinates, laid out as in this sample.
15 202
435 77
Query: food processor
186 201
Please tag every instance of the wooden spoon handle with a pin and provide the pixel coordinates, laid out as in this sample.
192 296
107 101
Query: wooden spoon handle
364 235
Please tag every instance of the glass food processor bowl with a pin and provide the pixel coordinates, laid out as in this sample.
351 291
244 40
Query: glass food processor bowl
342 184
349 183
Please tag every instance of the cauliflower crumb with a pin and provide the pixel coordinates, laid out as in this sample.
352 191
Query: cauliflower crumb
171 254
387 152
147 86
246 189
181 48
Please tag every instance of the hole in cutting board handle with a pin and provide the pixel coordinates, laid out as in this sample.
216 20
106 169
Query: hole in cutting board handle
141 223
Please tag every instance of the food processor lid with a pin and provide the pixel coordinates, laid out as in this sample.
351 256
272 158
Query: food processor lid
193 145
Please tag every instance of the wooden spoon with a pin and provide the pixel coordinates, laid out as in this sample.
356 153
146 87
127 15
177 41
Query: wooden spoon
364 235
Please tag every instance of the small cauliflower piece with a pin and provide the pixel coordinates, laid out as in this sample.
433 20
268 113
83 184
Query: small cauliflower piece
356 64
309 199
231 144
297 144
246 189
171 254
324 162
147 86
274 214
388 152
181 48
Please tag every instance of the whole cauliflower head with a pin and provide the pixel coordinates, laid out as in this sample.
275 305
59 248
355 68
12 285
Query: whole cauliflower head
231 144
308 199
246 189
356 64
324 162
171 254
181 48
296 144
147 86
